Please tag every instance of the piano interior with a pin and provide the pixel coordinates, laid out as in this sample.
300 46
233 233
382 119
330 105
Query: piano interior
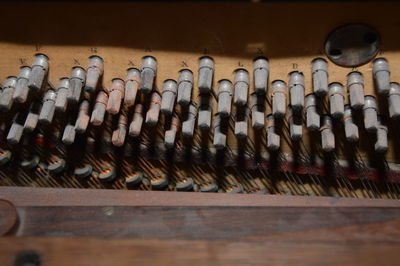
280 99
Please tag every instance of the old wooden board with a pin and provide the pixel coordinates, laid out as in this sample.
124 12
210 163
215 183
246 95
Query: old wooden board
105 227
50 197
179 215
89 251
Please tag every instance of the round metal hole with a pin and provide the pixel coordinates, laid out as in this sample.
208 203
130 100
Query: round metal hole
352 45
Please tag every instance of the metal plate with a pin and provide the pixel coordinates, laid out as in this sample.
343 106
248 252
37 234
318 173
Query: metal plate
352 45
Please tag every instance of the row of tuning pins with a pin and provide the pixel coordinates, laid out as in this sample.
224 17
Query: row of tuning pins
358 102
28 84
124 92
373 122
68 92
228 93
27 87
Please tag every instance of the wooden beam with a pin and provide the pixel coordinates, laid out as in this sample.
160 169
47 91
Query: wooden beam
89 251
25 196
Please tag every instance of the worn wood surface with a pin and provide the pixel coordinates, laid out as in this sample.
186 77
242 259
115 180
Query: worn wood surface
89 251
173 228
24 196
108 213
308 224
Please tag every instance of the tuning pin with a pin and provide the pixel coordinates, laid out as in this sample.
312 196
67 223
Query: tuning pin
296 87
76 82
116 93
355 84
350 128
279 92
327 136
241 122
381 144
99 109
206 72
224 98
205 112
62 94
185 86
32 117
6 98
295 125
148 74
48 107
336 100
320 76
313 119
17 128
168 96
40 67
21 88
190 121
220 132
394 100
273 139
90 146
370 114
132 85
241 87
118 136
170 134
257 111
94 71
68 135
83 117
261 73
154 110
380 69
137 121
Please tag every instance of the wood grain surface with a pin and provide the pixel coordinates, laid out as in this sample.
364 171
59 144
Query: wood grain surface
89 251
212 223
103 228
25 197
